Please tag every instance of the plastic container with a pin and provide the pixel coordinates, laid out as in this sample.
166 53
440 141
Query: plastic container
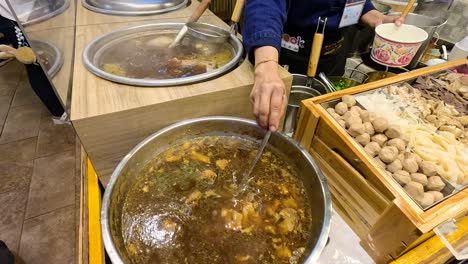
460 50
396 46
451 233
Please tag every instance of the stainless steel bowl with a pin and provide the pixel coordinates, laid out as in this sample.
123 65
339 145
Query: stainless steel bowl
123 177
301 80
133 7
297 94
52 53
31 12
94 51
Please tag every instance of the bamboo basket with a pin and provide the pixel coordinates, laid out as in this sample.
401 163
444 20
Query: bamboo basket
388 222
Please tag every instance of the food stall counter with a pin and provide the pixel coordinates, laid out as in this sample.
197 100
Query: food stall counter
111 118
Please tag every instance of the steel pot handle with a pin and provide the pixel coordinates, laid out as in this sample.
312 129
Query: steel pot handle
437 37
360 72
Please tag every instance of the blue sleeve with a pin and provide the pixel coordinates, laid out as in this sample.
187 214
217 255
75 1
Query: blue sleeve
263 24
368 6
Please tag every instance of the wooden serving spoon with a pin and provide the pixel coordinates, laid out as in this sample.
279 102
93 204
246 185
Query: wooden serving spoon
236 14
407 8
194 18
315 51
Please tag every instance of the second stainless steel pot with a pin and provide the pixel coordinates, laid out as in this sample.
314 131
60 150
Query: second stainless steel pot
93 53
301 80
297 94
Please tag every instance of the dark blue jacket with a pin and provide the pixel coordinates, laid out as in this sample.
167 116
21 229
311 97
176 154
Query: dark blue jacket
264 19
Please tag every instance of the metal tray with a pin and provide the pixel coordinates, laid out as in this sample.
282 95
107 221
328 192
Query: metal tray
34 11
93 52
448 191
133 8
53 54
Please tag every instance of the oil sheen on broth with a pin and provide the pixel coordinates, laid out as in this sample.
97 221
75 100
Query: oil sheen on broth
184 207
148 57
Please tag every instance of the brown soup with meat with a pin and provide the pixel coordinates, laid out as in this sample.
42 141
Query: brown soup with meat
148 57
185 207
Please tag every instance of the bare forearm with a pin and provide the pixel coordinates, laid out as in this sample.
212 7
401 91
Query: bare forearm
374 18
267 55
268 91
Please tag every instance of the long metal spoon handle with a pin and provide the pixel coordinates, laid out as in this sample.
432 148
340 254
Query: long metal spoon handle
193 18
246 177
327 82
199 11
259 153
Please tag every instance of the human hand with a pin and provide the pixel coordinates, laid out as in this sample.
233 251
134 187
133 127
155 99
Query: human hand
394 19
268 95
7 52
374 18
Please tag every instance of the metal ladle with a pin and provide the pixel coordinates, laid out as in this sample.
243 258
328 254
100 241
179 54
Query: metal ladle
327 82
208 35
193 18
246 178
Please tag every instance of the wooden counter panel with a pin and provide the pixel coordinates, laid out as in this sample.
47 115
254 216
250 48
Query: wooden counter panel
108 138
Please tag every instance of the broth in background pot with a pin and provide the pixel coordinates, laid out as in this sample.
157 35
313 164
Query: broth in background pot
185 207
148 57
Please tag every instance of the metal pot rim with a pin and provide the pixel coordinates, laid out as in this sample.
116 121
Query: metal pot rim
133 13
96 44
47 16
297 105
57 63
439 20
106 233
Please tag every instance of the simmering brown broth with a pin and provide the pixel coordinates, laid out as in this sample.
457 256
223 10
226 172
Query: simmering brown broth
183 207
148 57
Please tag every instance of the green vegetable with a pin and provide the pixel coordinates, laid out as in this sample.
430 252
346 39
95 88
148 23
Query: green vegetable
340 85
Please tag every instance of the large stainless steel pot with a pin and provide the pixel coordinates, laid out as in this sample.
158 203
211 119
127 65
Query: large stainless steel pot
92 55
123 177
